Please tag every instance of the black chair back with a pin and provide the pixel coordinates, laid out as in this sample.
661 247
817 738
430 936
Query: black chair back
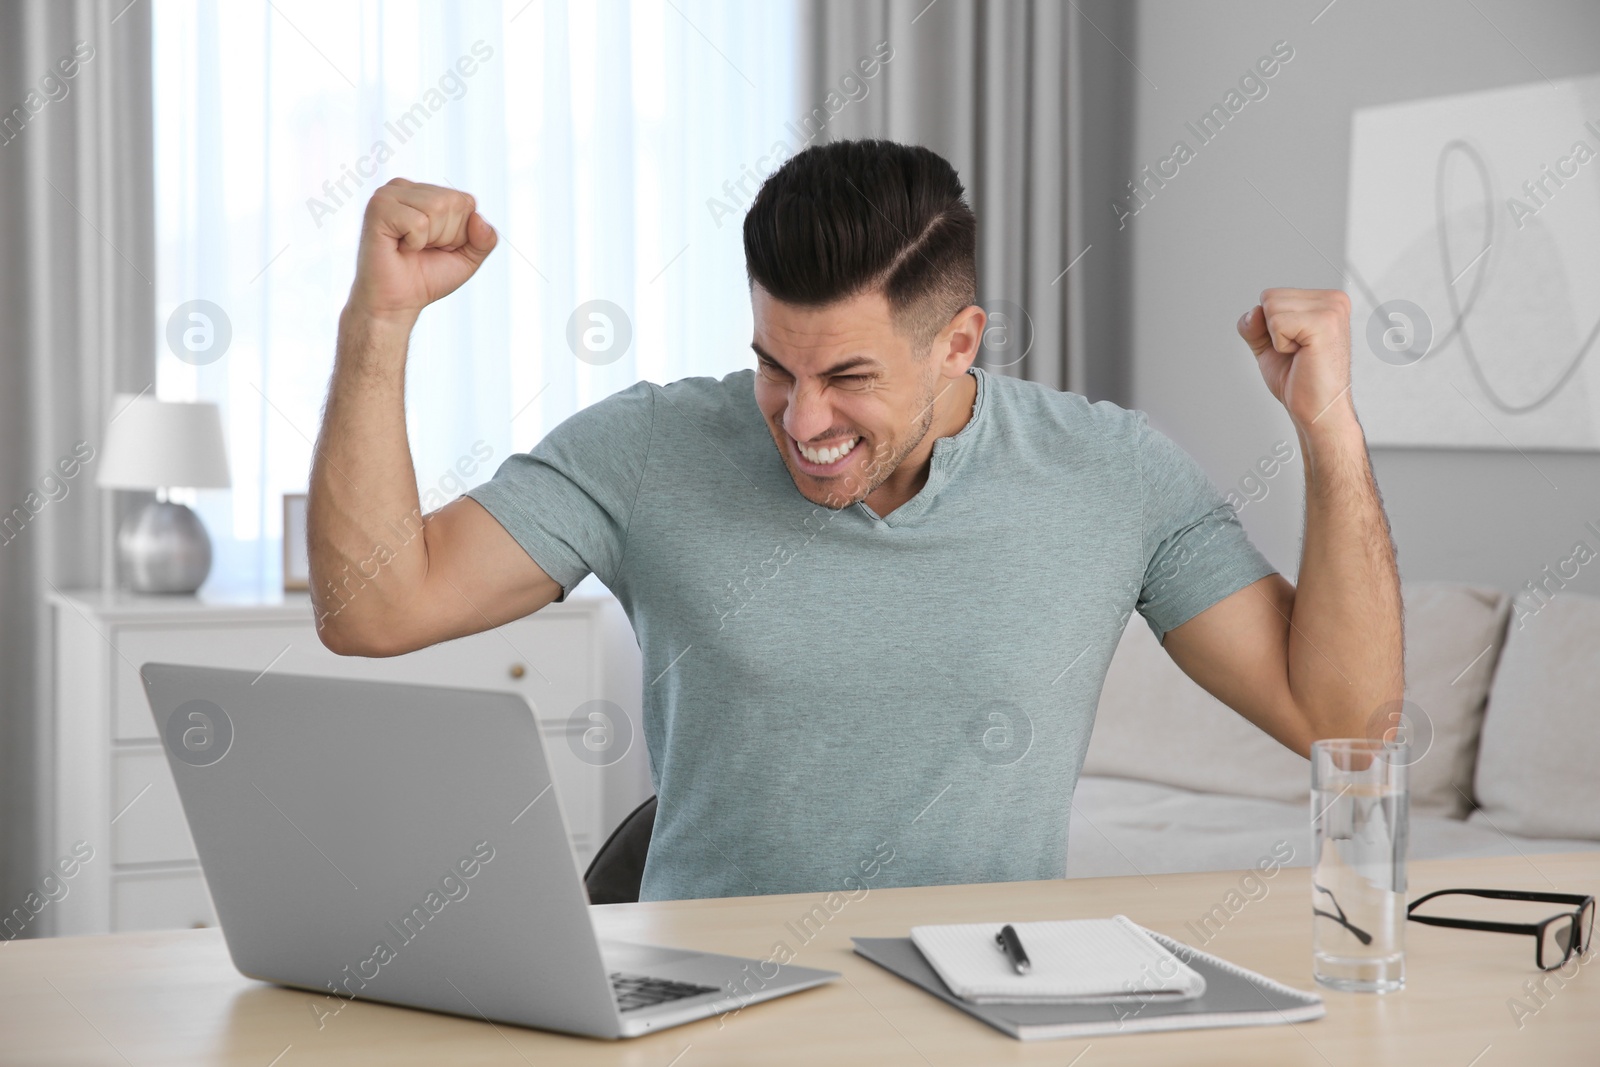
615 873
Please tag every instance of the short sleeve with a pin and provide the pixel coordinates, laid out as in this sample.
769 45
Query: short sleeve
1195 550
569 500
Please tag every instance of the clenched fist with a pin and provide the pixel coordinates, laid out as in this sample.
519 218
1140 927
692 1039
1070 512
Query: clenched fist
1301 340
419 243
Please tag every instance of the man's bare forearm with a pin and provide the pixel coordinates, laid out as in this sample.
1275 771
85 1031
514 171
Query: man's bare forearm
1346 652
364 519
368 545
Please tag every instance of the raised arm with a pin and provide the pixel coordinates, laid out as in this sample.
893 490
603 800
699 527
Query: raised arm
1323 659
386 579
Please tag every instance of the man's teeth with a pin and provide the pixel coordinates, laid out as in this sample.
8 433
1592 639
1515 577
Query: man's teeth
828 455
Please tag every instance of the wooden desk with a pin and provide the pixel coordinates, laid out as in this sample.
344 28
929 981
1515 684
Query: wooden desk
173 998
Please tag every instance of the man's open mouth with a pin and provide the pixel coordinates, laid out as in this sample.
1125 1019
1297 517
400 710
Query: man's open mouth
827 459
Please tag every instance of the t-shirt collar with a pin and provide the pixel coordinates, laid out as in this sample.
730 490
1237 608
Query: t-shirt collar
948 455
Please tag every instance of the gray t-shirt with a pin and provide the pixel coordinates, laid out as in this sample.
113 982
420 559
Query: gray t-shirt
835 700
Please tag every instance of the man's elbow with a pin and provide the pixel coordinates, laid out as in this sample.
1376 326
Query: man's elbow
344 639
1343 722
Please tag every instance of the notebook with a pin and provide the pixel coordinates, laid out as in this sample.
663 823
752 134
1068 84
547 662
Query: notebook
1234 996
1076 961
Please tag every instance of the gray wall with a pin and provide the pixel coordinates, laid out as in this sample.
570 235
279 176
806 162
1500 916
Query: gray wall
1207 244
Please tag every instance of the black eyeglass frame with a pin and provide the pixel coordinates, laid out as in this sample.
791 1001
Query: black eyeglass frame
1355 931
1582 932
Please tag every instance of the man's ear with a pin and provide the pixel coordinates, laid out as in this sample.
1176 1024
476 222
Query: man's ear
961 340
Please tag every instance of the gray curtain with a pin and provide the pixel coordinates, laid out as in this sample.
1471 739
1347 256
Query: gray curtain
1006 91
77 324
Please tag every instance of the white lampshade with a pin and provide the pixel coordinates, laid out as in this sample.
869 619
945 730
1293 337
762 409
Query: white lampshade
158 444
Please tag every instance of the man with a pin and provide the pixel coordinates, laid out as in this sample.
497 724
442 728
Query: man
876 589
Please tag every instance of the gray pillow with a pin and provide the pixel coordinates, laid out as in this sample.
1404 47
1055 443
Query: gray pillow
1156 725
1453 638
1536 764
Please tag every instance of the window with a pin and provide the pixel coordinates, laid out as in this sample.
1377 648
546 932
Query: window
615 147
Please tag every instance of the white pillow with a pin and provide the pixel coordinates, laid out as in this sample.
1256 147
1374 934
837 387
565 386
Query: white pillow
1537 775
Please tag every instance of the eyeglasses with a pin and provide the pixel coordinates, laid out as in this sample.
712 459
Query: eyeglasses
1557 938
1356 931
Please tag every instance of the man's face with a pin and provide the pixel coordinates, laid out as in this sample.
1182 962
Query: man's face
844 395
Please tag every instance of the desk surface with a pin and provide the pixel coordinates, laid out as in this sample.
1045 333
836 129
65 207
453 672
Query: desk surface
173 998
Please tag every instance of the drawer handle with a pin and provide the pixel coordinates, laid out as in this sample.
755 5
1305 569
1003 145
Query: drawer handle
518 670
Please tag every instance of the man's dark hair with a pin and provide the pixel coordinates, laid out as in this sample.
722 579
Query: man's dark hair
851 217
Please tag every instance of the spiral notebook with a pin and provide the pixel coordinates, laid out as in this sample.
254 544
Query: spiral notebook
1233 996
1073 961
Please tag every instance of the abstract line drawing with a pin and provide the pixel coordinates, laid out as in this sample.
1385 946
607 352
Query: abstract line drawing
1473 261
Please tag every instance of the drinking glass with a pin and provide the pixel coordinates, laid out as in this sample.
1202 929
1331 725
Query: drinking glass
1359 808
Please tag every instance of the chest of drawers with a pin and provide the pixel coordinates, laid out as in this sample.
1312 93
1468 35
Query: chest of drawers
112 788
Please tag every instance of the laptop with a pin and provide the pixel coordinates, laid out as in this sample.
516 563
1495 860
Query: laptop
406 844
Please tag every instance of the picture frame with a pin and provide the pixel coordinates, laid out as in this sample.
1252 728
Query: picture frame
296 565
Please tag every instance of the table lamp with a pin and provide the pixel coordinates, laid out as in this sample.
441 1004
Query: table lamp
161 445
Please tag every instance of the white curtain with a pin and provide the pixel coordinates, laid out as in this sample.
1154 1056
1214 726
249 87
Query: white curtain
614 145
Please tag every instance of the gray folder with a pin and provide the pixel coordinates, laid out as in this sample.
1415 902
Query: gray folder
1233 997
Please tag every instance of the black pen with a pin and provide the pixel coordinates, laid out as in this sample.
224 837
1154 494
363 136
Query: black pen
1011 945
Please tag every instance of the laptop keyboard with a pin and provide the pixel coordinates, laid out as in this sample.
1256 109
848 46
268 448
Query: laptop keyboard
636 991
